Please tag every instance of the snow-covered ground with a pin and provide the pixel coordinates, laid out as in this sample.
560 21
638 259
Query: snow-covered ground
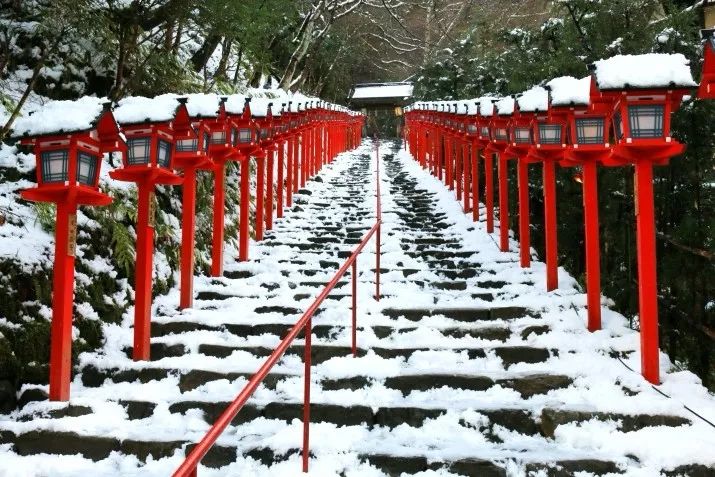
518 350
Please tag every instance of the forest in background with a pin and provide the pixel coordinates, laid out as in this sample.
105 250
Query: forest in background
63 49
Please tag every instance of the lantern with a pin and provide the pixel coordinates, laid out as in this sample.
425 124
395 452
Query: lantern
707 81
246 142
499 132
485 110
263 116
69 139
148 125
640 106
588 145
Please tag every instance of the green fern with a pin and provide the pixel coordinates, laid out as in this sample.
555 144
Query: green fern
45 212
123 247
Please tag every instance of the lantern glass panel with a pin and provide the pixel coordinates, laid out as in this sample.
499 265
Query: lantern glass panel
163 154
646 121
472 129
244 136
522 135
234 136
590 131
207 141
501 134
485 132
187 145
54 166
617 125
86 168
549 134
139 149
265 133
218 137
711 39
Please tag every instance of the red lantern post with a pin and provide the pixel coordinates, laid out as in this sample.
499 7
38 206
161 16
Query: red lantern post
246 144
263 115
499 133
69 139
486 114
137 113
520 140
588 146
707 82
149 162
641 105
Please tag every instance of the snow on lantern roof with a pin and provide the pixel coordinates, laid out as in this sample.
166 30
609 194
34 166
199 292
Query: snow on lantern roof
569 91
505 106
533 100
472 106
138 109
652 70
59 117
235 104
486 105
382 90
202 105
261 106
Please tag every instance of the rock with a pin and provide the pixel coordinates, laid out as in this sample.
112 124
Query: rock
537 330
568 468
477 468
30 395
8 396
552 418
412 416
65 443
138 409
395 466
144 449
536 384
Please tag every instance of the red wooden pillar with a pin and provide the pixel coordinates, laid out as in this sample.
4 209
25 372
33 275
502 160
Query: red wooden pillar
296 160
458 167
466 171
475 181
448 163
260 194
280 180
524 219
143 278
244 216
303 158
289 171
441 154
552 259
647 285
503 202
269 190
592 233
489 189
188 240
62 302
218 219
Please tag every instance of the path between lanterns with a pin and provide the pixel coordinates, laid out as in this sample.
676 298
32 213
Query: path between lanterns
466 367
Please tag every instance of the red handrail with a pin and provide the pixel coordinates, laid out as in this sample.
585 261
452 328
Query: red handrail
189 467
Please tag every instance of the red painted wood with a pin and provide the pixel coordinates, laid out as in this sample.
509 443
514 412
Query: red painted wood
218 219
552 259
593 247
188 226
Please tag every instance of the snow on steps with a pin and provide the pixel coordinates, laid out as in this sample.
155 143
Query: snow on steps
464 368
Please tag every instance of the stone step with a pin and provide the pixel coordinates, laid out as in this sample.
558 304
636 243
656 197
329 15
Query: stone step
497 333
321 353
462 314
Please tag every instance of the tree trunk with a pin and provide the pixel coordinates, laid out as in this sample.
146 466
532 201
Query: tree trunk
238 66
202 55
300 52
225 54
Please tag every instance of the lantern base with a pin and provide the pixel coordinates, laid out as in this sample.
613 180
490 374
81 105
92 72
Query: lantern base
149 175
66 194
199 161
656 153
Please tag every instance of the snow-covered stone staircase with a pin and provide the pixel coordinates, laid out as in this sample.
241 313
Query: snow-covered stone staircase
465 366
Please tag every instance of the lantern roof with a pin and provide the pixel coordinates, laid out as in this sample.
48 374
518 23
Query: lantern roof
261 107
533 100
505 106
486 105
202 105
649 71
61 117
138 109
569 91
235 104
